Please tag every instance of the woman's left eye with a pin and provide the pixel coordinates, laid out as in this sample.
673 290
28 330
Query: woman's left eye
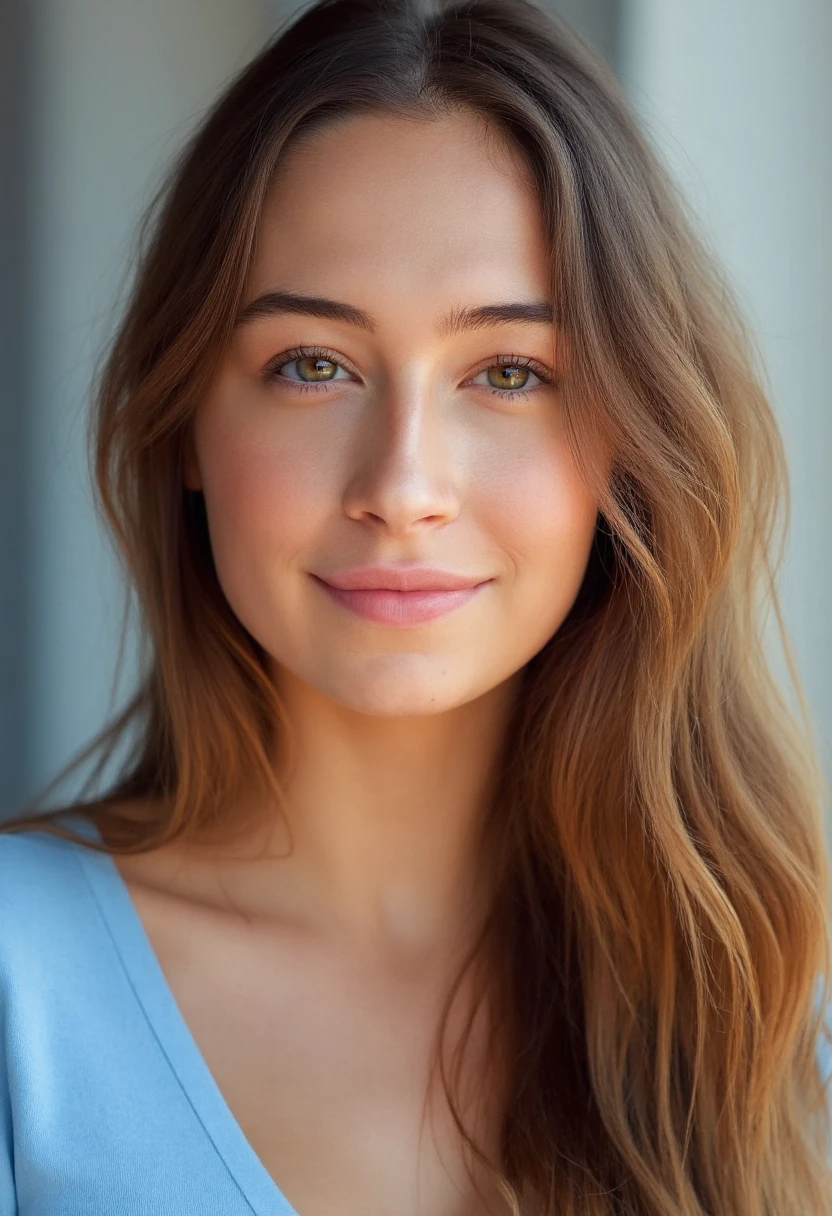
513 376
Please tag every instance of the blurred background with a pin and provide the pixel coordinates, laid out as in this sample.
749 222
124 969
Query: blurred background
97 95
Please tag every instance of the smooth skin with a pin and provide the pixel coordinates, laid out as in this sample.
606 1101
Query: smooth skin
312 983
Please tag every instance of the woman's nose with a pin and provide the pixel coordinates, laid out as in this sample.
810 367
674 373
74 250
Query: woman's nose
405 474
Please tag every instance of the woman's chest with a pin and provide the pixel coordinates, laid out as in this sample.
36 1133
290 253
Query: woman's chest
325 1066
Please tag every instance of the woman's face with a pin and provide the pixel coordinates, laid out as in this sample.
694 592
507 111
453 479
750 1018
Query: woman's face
417 424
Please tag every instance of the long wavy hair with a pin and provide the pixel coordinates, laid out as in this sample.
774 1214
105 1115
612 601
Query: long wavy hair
659 938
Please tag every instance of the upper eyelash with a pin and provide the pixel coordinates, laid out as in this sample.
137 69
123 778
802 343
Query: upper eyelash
319 352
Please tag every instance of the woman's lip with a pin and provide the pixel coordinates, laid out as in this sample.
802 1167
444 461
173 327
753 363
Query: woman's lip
399 607
400 577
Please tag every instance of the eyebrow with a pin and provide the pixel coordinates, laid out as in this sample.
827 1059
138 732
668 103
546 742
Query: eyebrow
271 303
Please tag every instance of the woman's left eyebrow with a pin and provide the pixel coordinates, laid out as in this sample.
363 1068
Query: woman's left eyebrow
271 303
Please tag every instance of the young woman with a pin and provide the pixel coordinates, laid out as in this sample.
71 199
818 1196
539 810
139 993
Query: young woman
465 858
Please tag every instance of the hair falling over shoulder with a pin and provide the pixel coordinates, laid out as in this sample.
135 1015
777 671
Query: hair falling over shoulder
660 926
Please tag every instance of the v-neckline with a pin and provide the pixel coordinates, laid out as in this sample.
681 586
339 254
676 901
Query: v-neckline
172 1033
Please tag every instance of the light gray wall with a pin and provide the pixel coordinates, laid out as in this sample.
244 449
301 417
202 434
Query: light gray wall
15 45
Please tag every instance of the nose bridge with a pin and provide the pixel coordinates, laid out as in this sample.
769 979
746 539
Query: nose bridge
405 465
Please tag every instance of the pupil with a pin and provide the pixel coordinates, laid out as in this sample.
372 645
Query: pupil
319 368
511 376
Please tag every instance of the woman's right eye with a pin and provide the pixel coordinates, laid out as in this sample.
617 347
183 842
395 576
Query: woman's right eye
305 366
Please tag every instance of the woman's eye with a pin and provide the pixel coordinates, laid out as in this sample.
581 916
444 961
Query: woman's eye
511 377
308 369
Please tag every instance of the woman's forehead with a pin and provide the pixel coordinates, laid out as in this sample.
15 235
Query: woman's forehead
410 202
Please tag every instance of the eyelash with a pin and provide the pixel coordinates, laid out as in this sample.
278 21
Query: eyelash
271 372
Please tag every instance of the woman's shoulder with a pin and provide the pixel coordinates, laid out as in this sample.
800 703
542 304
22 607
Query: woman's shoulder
29 853
43 899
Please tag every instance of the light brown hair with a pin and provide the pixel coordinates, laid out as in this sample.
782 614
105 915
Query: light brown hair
660 925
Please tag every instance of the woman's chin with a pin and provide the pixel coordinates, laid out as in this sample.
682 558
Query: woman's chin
405 701
398 686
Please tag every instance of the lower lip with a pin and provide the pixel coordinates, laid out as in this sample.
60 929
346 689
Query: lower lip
400 607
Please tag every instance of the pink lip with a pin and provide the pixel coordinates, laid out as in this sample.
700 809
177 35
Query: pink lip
400 595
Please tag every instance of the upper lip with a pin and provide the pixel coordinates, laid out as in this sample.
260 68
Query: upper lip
400 578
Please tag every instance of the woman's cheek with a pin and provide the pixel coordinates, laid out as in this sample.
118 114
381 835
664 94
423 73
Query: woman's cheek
537 503
265 491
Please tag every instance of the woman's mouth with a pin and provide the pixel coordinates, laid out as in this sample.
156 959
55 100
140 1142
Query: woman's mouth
390 607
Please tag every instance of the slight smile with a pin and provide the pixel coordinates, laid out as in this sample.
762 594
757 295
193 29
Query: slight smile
426 594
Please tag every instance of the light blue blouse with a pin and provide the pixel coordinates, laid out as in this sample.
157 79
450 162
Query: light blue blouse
107 1107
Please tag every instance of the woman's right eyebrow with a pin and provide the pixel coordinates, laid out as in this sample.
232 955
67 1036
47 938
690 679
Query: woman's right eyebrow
271 303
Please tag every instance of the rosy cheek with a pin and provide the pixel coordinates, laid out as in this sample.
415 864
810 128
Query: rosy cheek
263 487
534 499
